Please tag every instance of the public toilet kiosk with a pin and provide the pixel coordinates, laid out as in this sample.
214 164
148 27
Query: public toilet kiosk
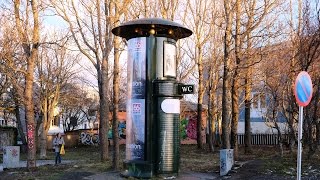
153 97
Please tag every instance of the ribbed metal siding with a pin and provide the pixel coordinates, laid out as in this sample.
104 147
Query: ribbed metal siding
169 142
165 88
168 137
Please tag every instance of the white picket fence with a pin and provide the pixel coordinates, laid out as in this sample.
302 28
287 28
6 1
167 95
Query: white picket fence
263 139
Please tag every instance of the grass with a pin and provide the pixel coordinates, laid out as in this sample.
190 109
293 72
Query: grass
284 165
193 159
87 162
75 153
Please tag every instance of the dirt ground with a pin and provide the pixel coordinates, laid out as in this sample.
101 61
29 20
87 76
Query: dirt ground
264 163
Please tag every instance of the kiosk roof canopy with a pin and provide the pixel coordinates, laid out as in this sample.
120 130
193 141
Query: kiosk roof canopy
156 26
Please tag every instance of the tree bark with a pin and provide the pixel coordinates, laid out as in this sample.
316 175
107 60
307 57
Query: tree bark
247 104
211 121
235 117
313 115
104 110
226 91
43 143
31 124
116 92
31 53
20 128
200 126
248 79
235 85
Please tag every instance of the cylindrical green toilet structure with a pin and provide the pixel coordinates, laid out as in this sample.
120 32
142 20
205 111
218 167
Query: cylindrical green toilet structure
153 106
167 126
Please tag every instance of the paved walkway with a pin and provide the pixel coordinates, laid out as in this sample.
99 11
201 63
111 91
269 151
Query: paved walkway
182 176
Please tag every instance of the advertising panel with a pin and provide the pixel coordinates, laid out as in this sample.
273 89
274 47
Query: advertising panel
169 58
136 99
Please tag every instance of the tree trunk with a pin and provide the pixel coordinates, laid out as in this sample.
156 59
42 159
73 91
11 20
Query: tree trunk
313 115
280 140
235 117
309 135
248 82
116 92
31 124
31 53
211 121
43 145
274 119
317 134
226 91
20 128
104 110
200 126
45 123
235 86
292 136
247 103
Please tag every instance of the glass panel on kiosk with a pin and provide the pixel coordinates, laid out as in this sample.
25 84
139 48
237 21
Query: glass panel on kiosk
135 122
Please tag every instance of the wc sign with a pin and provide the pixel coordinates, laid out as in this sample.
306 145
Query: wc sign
186 89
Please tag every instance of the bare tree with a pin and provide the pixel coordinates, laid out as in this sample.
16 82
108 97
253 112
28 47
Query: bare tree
29 36
255 16
119 10
226 91
273 80
94 40
54 71
214 105
75 105
235 83
11 78
168 8
93 37
200 20
308 56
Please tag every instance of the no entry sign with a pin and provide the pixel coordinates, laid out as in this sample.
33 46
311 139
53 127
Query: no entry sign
303 89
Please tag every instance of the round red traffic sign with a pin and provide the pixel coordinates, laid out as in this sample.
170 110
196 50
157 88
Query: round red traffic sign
303 89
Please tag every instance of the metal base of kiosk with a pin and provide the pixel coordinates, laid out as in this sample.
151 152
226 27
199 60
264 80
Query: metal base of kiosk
137 169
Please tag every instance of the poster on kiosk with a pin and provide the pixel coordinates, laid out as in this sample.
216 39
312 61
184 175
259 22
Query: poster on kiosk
135 122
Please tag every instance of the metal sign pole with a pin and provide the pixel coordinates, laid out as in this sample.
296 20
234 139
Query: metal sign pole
299 153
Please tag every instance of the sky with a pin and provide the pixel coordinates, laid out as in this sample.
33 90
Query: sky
52 21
